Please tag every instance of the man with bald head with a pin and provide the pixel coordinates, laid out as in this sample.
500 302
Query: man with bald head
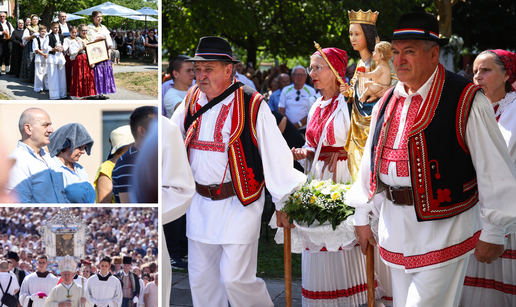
7 280
31 178
283 80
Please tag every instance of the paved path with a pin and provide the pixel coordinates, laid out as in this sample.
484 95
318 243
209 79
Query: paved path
20 89
181 297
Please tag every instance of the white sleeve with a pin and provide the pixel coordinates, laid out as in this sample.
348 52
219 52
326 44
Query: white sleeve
25 35
46 47
117 299
66 44
24 293
178 185
281 178
358 195
495 172
281 103
507 126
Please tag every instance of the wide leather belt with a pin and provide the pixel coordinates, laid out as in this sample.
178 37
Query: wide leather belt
213 192
401 196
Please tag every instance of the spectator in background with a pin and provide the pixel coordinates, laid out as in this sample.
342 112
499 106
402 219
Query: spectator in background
350 72
122 173
273 86
239 69
120 43
283 80
295 100
151 293
151 44
129 43
120 140
183 74
139 48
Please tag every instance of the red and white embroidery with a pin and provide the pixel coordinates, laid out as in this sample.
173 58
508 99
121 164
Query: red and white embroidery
331 295
490 284
218 144
317 123
400 154
431 258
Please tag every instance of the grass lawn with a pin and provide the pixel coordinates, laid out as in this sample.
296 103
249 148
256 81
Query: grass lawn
3 97
141 82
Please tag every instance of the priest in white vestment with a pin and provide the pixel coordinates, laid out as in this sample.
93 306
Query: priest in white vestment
41 281
68 293
103 288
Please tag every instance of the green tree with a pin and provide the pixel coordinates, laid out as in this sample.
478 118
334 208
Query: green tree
277 28
486 24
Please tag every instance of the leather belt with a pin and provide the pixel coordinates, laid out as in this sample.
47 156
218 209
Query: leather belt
210 191
51 52
401 196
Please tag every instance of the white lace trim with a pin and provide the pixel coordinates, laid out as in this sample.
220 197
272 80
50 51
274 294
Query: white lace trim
506 101
316 237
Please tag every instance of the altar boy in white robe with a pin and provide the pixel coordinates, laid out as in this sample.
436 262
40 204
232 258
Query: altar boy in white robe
56 61
68 293
40 61
39 281
104 289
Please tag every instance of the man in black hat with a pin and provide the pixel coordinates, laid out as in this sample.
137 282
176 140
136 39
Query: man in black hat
130 284
20 274
437 172
233 146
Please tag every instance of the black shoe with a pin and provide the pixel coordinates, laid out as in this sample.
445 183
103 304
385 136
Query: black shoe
178 263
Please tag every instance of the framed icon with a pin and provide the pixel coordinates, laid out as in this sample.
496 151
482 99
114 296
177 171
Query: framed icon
96 52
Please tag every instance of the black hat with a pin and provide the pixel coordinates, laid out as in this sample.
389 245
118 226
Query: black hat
213 48
418 26
12 255
127 260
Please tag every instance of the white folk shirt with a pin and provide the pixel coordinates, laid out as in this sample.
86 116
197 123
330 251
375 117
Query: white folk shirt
423 242
8 27
33 284
64 29
227 221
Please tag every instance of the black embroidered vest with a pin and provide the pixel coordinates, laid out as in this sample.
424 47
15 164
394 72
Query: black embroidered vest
52 39
244 157
442 173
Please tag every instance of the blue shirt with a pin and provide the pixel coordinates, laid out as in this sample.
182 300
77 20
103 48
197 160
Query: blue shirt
274 100
33 178
123 172
78 189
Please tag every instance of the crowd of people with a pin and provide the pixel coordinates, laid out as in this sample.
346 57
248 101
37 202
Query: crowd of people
430 154
55 56
134 44
122 243
56 176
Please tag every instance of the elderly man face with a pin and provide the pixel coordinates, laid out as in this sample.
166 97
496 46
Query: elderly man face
414 62
299 77
67 277
62 17
3 15
213 77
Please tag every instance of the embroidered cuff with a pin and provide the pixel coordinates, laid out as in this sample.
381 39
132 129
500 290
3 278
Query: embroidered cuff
493 234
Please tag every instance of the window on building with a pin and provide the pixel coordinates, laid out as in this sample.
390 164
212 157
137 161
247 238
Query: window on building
110 121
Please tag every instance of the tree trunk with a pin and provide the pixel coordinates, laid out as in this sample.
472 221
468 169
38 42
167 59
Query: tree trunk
251 51
46 17
445 17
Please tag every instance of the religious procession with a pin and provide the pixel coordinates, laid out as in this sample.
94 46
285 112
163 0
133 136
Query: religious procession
394 177
78 257
72 61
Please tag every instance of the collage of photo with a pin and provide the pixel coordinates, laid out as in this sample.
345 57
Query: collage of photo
254 153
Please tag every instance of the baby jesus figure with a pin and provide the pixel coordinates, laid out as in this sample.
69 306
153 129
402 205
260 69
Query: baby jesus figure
381 75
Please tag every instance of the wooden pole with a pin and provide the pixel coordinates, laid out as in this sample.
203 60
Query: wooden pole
288 266
370 275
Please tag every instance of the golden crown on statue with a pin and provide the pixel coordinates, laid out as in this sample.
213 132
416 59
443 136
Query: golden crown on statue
368 17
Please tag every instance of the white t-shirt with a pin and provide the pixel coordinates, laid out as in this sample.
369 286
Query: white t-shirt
296 110
171 99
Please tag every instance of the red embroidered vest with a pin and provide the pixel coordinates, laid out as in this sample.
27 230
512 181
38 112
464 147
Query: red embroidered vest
442 172
244 157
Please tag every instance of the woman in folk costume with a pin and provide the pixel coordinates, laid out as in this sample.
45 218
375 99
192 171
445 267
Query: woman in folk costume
82 83
68 293
103 72
493 284
336 278
27 65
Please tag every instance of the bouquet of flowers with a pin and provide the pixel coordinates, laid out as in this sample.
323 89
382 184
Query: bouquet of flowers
319 200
